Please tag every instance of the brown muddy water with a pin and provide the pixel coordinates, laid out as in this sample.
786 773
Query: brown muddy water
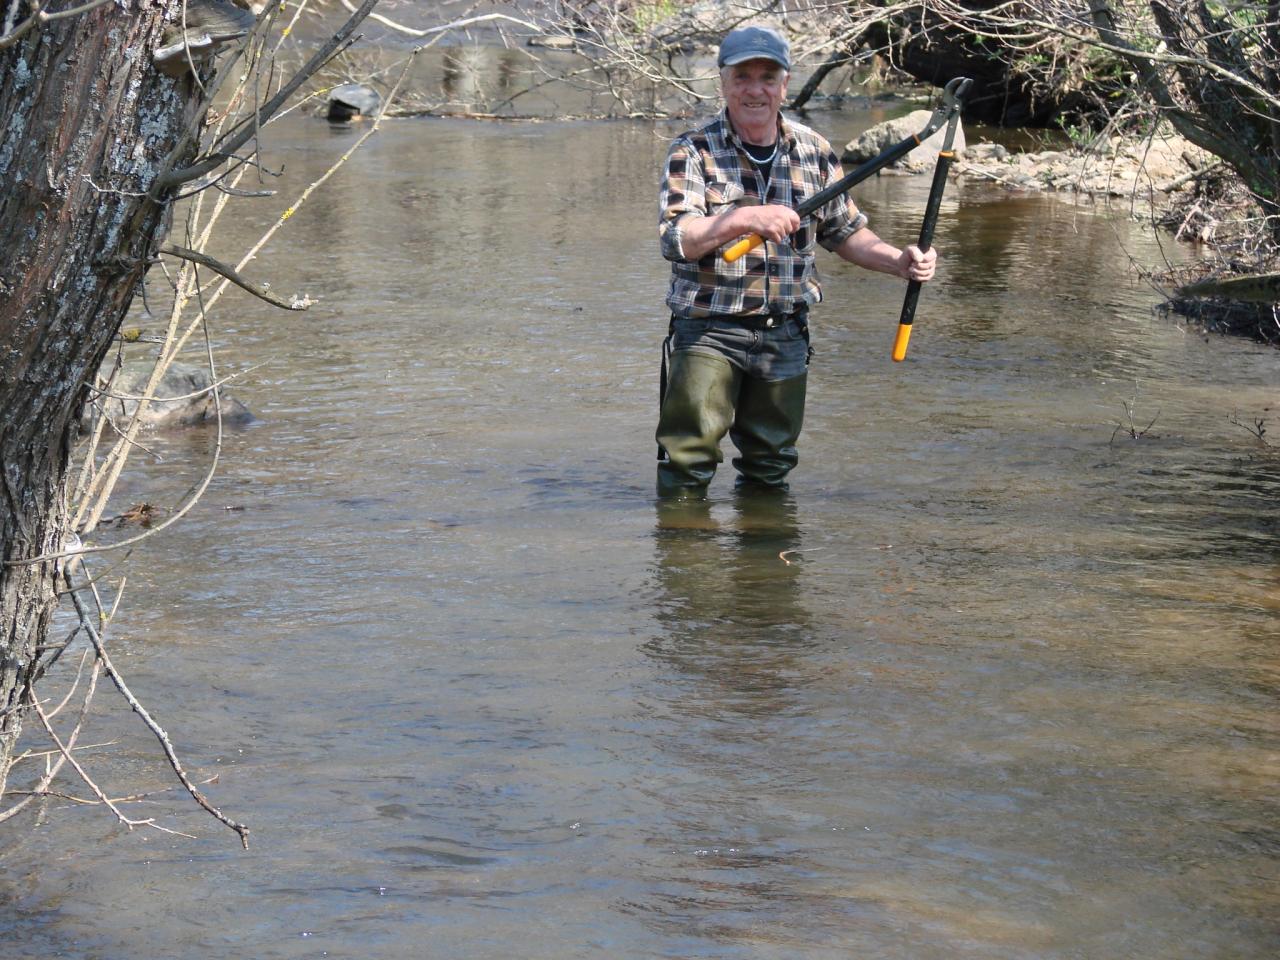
996 681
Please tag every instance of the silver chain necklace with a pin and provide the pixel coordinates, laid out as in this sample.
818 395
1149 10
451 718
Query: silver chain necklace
768 159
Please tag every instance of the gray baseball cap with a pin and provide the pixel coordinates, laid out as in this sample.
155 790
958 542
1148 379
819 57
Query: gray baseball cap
748 43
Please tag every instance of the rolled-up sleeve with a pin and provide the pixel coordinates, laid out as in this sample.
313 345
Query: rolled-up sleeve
840 218
682 195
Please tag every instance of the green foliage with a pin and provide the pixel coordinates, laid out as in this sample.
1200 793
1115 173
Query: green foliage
653 12
1079 136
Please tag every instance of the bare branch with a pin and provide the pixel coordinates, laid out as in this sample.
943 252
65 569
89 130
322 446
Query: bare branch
155 728
39 17
838 58
65 749
230 273
52 770
454 25
322 56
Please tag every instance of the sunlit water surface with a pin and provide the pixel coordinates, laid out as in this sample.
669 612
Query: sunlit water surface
996 681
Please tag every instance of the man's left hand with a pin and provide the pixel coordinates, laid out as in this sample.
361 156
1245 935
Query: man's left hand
917 264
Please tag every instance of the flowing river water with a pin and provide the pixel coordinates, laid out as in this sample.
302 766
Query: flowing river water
997 680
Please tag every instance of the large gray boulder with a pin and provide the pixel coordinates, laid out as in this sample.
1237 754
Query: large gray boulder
884 135
183 397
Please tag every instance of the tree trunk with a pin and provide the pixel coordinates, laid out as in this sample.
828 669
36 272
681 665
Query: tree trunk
87 121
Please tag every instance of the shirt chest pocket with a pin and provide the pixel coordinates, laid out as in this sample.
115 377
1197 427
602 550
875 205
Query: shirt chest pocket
803 240
723 196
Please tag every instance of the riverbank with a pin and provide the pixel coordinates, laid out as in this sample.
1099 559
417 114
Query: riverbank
1152 170
1180 188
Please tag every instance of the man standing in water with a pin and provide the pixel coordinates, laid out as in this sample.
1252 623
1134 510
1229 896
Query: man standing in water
739 342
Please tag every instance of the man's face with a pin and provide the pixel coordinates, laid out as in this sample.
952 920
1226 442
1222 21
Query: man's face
753 92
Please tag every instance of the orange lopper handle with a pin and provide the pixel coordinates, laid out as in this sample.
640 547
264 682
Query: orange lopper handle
742 246
900 342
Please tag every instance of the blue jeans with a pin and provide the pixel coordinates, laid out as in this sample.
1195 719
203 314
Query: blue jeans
769 354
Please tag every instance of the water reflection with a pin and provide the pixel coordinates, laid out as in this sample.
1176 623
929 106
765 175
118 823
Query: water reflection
461 69
729 601
734 652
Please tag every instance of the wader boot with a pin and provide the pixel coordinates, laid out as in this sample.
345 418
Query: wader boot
765 431
697 412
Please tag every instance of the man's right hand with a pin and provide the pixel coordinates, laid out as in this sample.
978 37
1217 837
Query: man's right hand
773 221
700 235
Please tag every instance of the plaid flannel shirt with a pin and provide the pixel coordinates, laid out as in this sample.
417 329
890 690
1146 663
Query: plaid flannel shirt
709 172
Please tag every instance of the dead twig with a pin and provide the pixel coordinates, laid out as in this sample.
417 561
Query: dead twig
64 751
217 266
137 707
1132 430
1258 428
134 798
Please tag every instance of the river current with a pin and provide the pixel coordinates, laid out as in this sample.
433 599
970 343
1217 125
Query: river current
997 680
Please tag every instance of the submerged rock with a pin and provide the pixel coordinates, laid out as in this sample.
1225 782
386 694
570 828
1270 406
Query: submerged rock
190 401
352 99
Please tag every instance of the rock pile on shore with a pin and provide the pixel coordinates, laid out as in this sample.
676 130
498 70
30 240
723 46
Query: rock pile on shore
1145 167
